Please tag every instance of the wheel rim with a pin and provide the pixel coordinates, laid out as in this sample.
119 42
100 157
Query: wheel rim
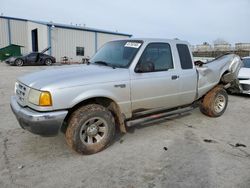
48 62
93 130
219 103
19 62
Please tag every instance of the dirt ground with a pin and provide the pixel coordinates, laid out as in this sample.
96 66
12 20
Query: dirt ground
171 153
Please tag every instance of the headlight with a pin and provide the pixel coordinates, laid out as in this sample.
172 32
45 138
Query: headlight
40 98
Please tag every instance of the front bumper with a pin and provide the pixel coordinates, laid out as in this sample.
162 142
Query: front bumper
41 123
9 62
245 85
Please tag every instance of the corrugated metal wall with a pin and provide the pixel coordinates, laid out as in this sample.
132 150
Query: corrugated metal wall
63 40
42 31
18 30
102 38
89 43
4 36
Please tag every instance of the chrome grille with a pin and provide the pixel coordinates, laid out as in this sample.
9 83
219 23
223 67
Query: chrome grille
21 93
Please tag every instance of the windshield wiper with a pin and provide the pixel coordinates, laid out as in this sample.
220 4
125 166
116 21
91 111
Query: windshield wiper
105 64
101 63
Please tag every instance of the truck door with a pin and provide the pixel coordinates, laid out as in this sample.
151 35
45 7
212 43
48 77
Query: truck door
157 83
187 76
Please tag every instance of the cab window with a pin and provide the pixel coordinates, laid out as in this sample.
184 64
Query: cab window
158 56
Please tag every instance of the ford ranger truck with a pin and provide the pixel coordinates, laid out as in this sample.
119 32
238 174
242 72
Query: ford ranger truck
125 83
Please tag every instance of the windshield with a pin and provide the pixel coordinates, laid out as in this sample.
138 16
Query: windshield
246 62
117 53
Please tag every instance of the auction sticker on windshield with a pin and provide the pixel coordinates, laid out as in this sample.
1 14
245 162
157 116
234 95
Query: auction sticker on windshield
133 44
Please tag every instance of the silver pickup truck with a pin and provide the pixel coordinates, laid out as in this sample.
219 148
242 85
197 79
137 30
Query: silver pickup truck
125 83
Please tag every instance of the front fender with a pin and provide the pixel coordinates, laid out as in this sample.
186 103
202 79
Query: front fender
67 98
93 94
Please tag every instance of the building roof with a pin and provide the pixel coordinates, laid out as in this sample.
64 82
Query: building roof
67 26
12 45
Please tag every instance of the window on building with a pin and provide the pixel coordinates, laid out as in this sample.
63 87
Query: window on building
185 57
159 54
80 51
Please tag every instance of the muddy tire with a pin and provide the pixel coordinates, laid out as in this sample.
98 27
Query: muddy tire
215 102
91 128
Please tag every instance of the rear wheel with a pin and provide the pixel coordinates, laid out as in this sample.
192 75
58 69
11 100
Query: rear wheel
48 62
215 102
19 62
91 128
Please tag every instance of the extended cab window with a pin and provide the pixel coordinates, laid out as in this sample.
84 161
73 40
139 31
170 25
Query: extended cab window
185 57
158 56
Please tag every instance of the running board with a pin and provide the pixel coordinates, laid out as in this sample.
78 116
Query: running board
149 118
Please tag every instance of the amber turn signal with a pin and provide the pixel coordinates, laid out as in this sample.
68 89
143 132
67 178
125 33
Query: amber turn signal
45 99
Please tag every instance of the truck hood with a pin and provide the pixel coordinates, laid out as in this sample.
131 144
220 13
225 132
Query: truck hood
72 76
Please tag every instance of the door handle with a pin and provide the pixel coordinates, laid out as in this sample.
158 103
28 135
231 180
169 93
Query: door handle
175 77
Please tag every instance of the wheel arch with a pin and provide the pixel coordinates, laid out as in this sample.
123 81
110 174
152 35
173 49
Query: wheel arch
223 77
107 102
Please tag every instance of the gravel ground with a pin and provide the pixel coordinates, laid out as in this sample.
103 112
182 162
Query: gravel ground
170 153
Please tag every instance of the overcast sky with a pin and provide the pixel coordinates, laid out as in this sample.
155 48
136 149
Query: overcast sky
193 20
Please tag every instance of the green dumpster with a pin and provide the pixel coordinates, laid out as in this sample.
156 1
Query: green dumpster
9 51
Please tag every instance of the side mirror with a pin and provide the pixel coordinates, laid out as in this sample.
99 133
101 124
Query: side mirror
198 63
146 66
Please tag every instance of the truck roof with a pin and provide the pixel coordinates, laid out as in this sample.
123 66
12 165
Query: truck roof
149 40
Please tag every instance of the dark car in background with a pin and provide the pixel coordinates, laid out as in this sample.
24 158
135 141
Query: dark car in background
33 58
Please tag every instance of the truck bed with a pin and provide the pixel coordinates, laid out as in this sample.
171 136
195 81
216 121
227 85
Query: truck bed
210 73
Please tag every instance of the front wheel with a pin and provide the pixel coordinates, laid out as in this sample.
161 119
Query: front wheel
19 62
91 128
215 102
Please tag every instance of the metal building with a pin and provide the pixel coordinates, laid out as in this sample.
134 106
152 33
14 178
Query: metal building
222 47
72 41
242 46
203 47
